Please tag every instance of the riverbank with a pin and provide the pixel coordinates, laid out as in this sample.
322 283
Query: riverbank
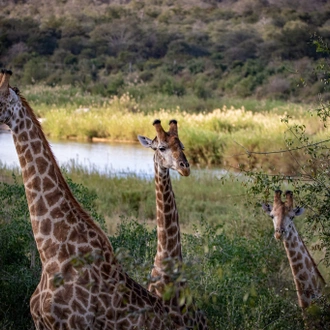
224 137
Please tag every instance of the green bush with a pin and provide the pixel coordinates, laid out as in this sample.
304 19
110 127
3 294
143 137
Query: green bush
19 262
204 147
34 71
233 280
202 88
20 266
115 84
167 85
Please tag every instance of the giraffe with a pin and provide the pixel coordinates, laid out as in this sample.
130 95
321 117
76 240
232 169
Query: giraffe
307 278
169 155
82 285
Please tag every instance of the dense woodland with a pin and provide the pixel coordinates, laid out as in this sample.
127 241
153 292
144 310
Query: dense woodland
244 48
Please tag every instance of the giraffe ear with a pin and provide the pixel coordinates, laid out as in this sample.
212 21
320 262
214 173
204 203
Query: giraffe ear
146 142
298 211
267 208
13 96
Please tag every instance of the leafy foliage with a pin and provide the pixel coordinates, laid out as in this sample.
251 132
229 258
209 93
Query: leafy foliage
233 280
20 266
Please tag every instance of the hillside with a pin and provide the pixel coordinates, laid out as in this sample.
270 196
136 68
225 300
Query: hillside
260 49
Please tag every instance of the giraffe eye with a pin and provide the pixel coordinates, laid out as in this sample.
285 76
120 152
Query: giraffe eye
161 148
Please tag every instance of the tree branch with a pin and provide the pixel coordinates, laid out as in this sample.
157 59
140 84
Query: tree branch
280 151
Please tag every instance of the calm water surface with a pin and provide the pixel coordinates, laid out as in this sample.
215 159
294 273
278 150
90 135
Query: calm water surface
119 159
105 158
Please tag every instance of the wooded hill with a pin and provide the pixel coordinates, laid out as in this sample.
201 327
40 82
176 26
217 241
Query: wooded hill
243 48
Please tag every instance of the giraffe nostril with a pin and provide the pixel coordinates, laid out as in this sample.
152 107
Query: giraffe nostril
183 164
279 232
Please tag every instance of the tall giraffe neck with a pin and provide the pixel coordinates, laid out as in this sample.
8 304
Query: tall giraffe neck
169 251
165 282
168 243
60 226
308 280
168 230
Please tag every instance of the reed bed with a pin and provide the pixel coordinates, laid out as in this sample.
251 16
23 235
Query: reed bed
221 137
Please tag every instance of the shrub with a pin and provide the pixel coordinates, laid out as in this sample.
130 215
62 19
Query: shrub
34 71
20 266
116 82
166 84
202 88
196 66
278 87
135 247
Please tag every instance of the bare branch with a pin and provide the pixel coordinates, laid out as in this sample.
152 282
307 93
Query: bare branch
280 151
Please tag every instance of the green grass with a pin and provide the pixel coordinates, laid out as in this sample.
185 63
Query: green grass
218 198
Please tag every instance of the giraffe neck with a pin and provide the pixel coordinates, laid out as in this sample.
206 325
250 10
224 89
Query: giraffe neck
308 280
60 226
168 230
169 247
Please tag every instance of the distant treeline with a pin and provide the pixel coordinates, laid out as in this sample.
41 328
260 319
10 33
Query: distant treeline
205 48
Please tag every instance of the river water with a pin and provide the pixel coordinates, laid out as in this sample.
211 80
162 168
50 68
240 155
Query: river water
111 159
106 158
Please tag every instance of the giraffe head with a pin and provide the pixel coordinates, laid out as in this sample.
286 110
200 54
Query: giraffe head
282 213
8 97
168 148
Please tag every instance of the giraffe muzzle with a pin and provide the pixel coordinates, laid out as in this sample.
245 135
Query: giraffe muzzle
184 168
279 233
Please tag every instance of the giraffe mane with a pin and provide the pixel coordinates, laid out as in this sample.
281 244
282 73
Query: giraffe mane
314 264
82 213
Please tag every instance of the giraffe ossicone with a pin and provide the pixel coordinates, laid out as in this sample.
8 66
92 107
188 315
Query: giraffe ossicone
97 294
307 278
168 259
